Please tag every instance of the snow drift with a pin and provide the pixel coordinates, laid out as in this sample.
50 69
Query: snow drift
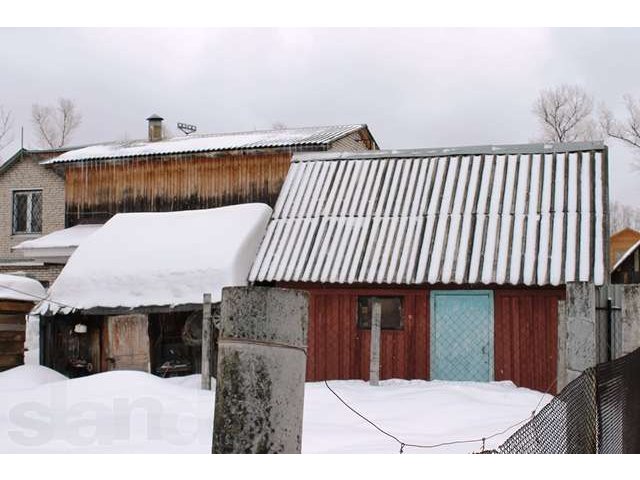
125 411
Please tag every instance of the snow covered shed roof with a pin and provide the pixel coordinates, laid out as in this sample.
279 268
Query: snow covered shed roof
529 214
56 247
288 137
23 289
141 260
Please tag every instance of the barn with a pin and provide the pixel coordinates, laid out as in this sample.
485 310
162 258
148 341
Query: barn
468 251
188 172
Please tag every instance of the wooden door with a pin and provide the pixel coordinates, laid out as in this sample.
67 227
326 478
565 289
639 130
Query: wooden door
462 335
127 342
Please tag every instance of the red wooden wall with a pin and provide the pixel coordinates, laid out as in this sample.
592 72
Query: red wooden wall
525 335
337 349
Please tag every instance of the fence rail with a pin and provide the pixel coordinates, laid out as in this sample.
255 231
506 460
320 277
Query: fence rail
598 412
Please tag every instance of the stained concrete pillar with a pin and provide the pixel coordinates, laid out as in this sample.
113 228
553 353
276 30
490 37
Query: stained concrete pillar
630 319
562 346
581 335
261 371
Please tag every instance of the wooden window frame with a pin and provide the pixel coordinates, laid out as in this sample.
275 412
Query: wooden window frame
364 323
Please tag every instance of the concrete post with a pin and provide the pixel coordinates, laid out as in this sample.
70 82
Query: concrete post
581 348
562 346
630 319
261 371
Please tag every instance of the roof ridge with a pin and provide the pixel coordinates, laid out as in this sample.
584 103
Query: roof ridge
491 149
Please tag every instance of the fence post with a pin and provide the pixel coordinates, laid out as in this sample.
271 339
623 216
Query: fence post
629 324
261 371
206 341
581 347
374 360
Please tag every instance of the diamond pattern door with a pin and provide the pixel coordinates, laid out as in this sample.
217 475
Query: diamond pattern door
462 335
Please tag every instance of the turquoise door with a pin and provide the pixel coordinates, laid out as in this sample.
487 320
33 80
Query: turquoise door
462 335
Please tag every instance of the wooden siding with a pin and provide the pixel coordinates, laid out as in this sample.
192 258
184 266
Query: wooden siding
621 242
338 349
526 337
525 342
12 332
95 191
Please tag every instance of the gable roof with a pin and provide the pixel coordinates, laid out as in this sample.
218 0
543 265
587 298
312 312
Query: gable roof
506 214
632 231
289 137
21 152
166 259
626 255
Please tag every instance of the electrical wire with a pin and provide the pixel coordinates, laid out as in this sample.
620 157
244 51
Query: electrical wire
38 297
404 444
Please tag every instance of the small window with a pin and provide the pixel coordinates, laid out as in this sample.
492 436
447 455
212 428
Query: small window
390 308
27 211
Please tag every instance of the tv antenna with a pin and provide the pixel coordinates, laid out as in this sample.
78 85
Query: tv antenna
186 128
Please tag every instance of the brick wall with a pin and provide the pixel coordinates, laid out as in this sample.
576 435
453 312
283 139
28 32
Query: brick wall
45 274
27 174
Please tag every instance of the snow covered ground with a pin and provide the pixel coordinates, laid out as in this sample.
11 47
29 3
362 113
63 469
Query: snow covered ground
124 411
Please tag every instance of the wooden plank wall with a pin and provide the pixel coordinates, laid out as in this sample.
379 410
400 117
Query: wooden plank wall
94 191
526 337
12 332
337 349
525 342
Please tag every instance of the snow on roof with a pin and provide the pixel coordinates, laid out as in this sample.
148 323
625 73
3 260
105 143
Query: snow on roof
287 137
68 237
626 255
531 214
160 259
25 289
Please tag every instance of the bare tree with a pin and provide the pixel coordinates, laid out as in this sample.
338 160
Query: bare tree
627 130
6 123
565 114
55 125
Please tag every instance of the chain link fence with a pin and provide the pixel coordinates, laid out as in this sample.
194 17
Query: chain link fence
598 412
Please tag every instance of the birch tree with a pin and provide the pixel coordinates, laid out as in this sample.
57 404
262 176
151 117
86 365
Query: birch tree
54 125
565 114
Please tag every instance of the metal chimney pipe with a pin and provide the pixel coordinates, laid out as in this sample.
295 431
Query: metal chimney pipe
155 127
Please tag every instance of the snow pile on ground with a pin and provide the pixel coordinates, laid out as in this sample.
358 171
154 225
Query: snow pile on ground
124 411
28 376
169 258
25 289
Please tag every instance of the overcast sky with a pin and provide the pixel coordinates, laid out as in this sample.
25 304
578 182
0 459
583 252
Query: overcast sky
413 87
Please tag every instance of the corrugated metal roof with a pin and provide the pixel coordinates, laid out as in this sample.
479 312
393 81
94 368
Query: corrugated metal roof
290 137
517 214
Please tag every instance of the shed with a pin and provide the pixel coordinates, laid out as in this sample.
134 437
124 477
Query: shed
18 295
131 294
467 249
